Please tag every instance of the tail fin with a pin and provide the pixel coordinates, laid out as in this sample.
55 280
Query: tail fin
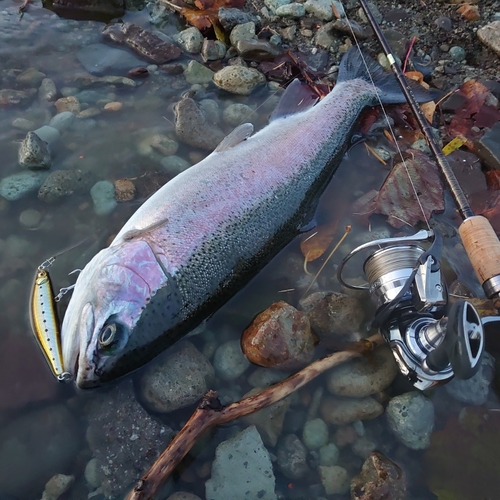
356 64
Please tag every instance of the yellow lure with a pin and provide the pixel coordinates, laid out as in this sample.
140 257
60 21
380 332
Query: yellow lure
45 323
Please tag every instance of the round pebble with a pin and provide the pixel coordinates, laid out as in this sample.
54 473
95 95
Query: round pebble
229 361
329 455
174 164
235 114
103 196
62 121
92 474
457 53
315 434
30 218
113 106
334 479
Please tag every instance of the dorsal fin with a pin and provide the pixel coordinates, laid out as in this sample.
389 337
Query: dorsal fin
296 98
239 134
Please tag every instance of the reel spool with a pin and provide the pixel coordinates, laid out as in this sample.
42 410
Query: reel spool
406 285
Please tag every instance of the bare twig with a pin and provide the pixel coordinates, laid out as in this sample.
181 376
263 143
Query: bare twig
210 413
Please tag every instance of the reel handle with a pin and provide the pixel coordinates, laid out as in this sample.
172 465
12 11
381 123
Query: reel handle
483 248
463 343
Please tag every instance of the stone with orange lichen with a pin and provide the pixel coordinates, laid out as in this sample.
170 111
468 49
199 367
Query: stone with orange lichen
279 337
124 190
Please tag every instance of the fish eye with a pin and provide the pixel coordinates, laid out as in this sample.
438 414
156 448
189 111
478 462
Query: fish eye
107 336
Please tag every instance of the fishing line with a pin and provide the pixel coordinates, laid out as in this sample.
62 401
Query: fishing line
391 131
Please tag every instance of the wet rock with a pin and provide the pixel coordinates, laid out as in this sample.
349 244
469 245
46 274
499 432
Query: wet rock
411 418
379 479
342 411
211 110
62 183
257 50
293 10
71 104
332 313
191 126
490 36
103 196
16 186
241 469
345 435
183 495
30 218
264 377
113 106
98 58
124 190
158 145
57 486
229 361
329 455
315 434
475 390
374 10
269 421
143 42
323 37
197 73
190 40
444 23
244 31
91 9
174 165
23 124
335 479
272 5
48 134
123 438
292 457
33 153
36 446
279 337
178 379
236 114
349 27
62 121
88 113
47 92
31 77
238 79
488 147
229 18
363 447
457 53
11 97
322 9
363 376
213 50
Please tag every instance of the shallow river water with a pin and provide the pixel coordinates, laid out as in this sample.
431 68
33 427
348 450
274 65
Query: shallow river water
44 425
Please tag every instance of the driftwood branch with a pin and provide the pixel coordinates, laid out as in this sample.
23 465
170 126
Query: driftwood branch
210 413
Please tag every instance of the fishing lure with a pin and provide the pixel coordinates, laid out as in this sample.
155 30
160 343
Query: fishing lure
45 322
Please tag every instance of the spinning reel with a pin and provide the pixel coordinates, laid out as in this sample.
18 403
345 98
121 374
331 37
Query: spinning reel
406 285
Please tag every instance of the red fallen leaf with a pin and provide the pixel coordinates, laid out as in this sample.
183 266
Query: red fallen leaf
368 118
487 204
493 180
397 198
315 245
487 116
476 93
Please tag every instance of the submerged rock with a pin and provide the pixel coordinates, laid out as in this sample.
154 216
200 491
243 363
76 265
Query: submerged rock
229 361
379 479
190 40
292 457
123 438
34 153
342 411
57 486
62 183
335 479
98 58
11 97
103 196
16 186
242 469
178 379
238 79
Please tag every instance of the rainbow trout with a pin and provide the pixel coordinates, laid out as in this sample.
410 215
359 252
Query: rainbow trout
208 231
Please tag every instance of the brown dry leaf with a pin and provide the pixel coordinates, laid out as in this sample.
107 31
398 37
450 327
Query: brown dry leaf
469 12
397 198
415 75
428 108
493 180
208 14
313 247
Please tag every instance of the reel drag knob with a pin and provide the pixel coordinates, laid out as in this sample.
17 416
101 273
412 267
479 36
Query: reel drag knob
463 342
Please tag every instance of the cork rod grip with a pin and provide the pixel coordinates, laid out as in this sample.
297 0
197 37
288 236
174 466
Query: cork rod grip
482 246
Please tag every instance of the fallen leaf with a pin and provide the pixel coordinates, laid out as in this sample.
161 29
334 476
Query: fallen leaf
454 144
397 197
469 12
415 75
487 204
428 108
315 245
493 180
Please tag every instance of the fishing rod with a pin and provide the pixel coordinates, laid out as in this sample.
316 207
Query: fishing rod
478 237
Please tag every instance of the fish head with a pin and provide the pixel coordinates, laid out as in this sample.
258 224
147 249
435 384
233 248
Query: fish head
99 331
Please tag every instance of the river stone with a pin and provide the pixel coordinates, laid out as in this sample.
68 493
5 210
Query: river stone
292 457
62 183
335 479
269 420
475 390
343 411
192 127
379 479
363 376
98 58
490 36
30 218
329 455
11 97
213 50
264 377
210 109
34 153
238 79
272 5
124 439
236 114
197 73
177 379
34 447
190 40
411 418
229 18
244 31
48 134
174 165
103 196
31 77
315 434
257 50
62 121
291 10
23 124
241 469
322 9
47 91
70 103
229 361
17 186
56 486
